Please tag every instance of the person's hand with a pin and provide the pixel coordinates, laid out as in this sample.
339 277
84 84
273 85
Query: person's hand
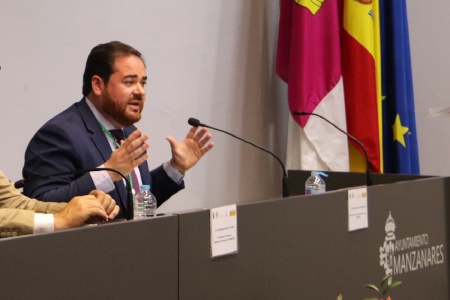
78 211
187 153
108 204
128 156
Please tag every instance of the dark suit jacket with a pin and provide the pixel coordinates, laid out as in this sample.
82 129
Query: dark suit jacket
71 141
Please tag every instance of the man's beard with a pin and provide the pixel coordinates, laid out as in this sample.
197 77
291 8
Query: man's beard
117 112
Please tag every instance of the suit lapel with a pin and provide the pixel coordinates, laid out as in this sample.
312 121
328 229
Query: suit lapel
93 127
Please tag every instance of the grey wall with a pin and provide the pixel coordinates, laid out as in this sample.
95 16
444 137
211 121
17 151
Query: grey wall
430 42
213 60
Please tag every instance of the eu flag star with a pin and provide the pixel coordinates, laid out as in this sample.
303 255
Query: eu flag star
399 131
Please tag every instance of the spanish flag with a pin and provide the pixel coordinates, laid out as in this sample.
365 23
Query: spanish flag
361 69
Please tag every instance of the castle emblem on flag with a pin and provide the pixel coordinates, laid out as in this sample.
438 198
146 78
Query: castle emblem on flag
312 5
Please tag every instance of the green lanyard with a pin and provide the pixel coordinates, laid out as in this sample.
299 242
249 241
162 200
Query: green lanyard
116 142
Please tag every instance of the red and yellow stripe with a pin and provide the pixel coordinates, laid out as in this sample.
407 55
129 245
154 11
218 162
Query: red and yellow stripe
361 69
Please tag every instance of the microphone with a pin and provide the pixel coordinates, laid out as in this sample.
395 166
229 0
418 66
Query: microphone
130 211
285 188
368 171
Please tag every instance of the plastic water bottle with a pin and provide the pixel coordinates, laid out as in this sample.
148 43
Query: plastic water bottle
315 184
150 204
144 203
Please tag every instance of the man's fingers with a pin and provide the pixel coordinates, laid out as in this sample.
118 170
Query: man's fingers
205 140
96 215
99 195
200 134
207 148
114 213
191 132
136 138
171 141
106 201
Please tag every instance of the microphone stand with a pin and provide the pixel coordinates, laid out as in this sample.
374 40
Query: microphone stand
368 170
285 187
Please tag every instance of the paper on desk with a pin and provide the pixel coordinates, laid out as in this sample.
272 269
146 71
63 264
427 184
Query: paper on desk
358 217
223 227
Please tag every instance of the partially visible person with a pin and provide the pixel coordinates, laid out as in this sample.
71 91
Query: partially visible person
20 215
99 131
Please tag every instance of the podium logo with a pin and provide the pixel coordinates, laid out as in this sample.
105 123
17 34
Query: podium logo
407 254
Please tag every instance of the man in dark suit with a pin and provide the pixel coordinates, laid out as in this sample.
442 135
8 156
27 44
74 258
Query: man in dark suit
84 136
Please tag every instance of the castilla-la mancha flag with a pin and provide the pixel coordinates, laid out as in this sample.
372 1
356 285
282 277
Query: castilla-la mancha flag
309 61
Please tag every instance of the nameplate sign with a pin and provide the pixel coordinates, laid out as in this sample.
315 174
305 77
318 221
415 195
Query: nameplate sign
223 226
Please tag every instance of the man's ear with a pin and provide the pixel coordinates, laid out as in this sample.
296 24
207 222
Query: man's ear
97 85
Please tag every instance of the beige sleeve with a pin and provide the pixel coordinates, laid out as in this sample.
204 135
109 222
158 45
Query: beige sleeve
17 211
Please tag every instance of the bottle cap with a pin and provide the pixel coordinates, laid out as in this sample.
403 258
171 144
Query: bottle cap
145 187
319 173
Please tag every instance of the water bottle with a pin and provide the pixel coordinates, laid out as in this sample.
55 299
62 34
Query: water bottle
144 203
315 184
150 204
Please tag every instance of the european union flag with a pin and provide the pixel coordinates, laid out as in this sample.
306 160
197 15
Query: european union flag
400 149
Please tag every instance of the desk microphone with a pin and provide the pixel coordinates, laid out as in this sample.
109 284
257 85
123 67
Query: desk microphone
196 123
368 171
130 211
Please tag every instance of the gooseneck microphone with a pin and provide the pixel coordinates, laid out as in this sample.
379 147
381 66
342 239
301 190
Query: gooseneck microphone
368 170
130 211
285 188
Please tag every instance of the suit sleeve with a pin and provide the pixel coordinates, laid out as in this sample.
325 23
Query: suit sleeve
17 211
162 186
53 150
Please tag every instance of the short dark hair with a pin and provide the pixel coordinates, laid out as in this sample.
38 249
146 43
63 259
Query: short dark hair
101 61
